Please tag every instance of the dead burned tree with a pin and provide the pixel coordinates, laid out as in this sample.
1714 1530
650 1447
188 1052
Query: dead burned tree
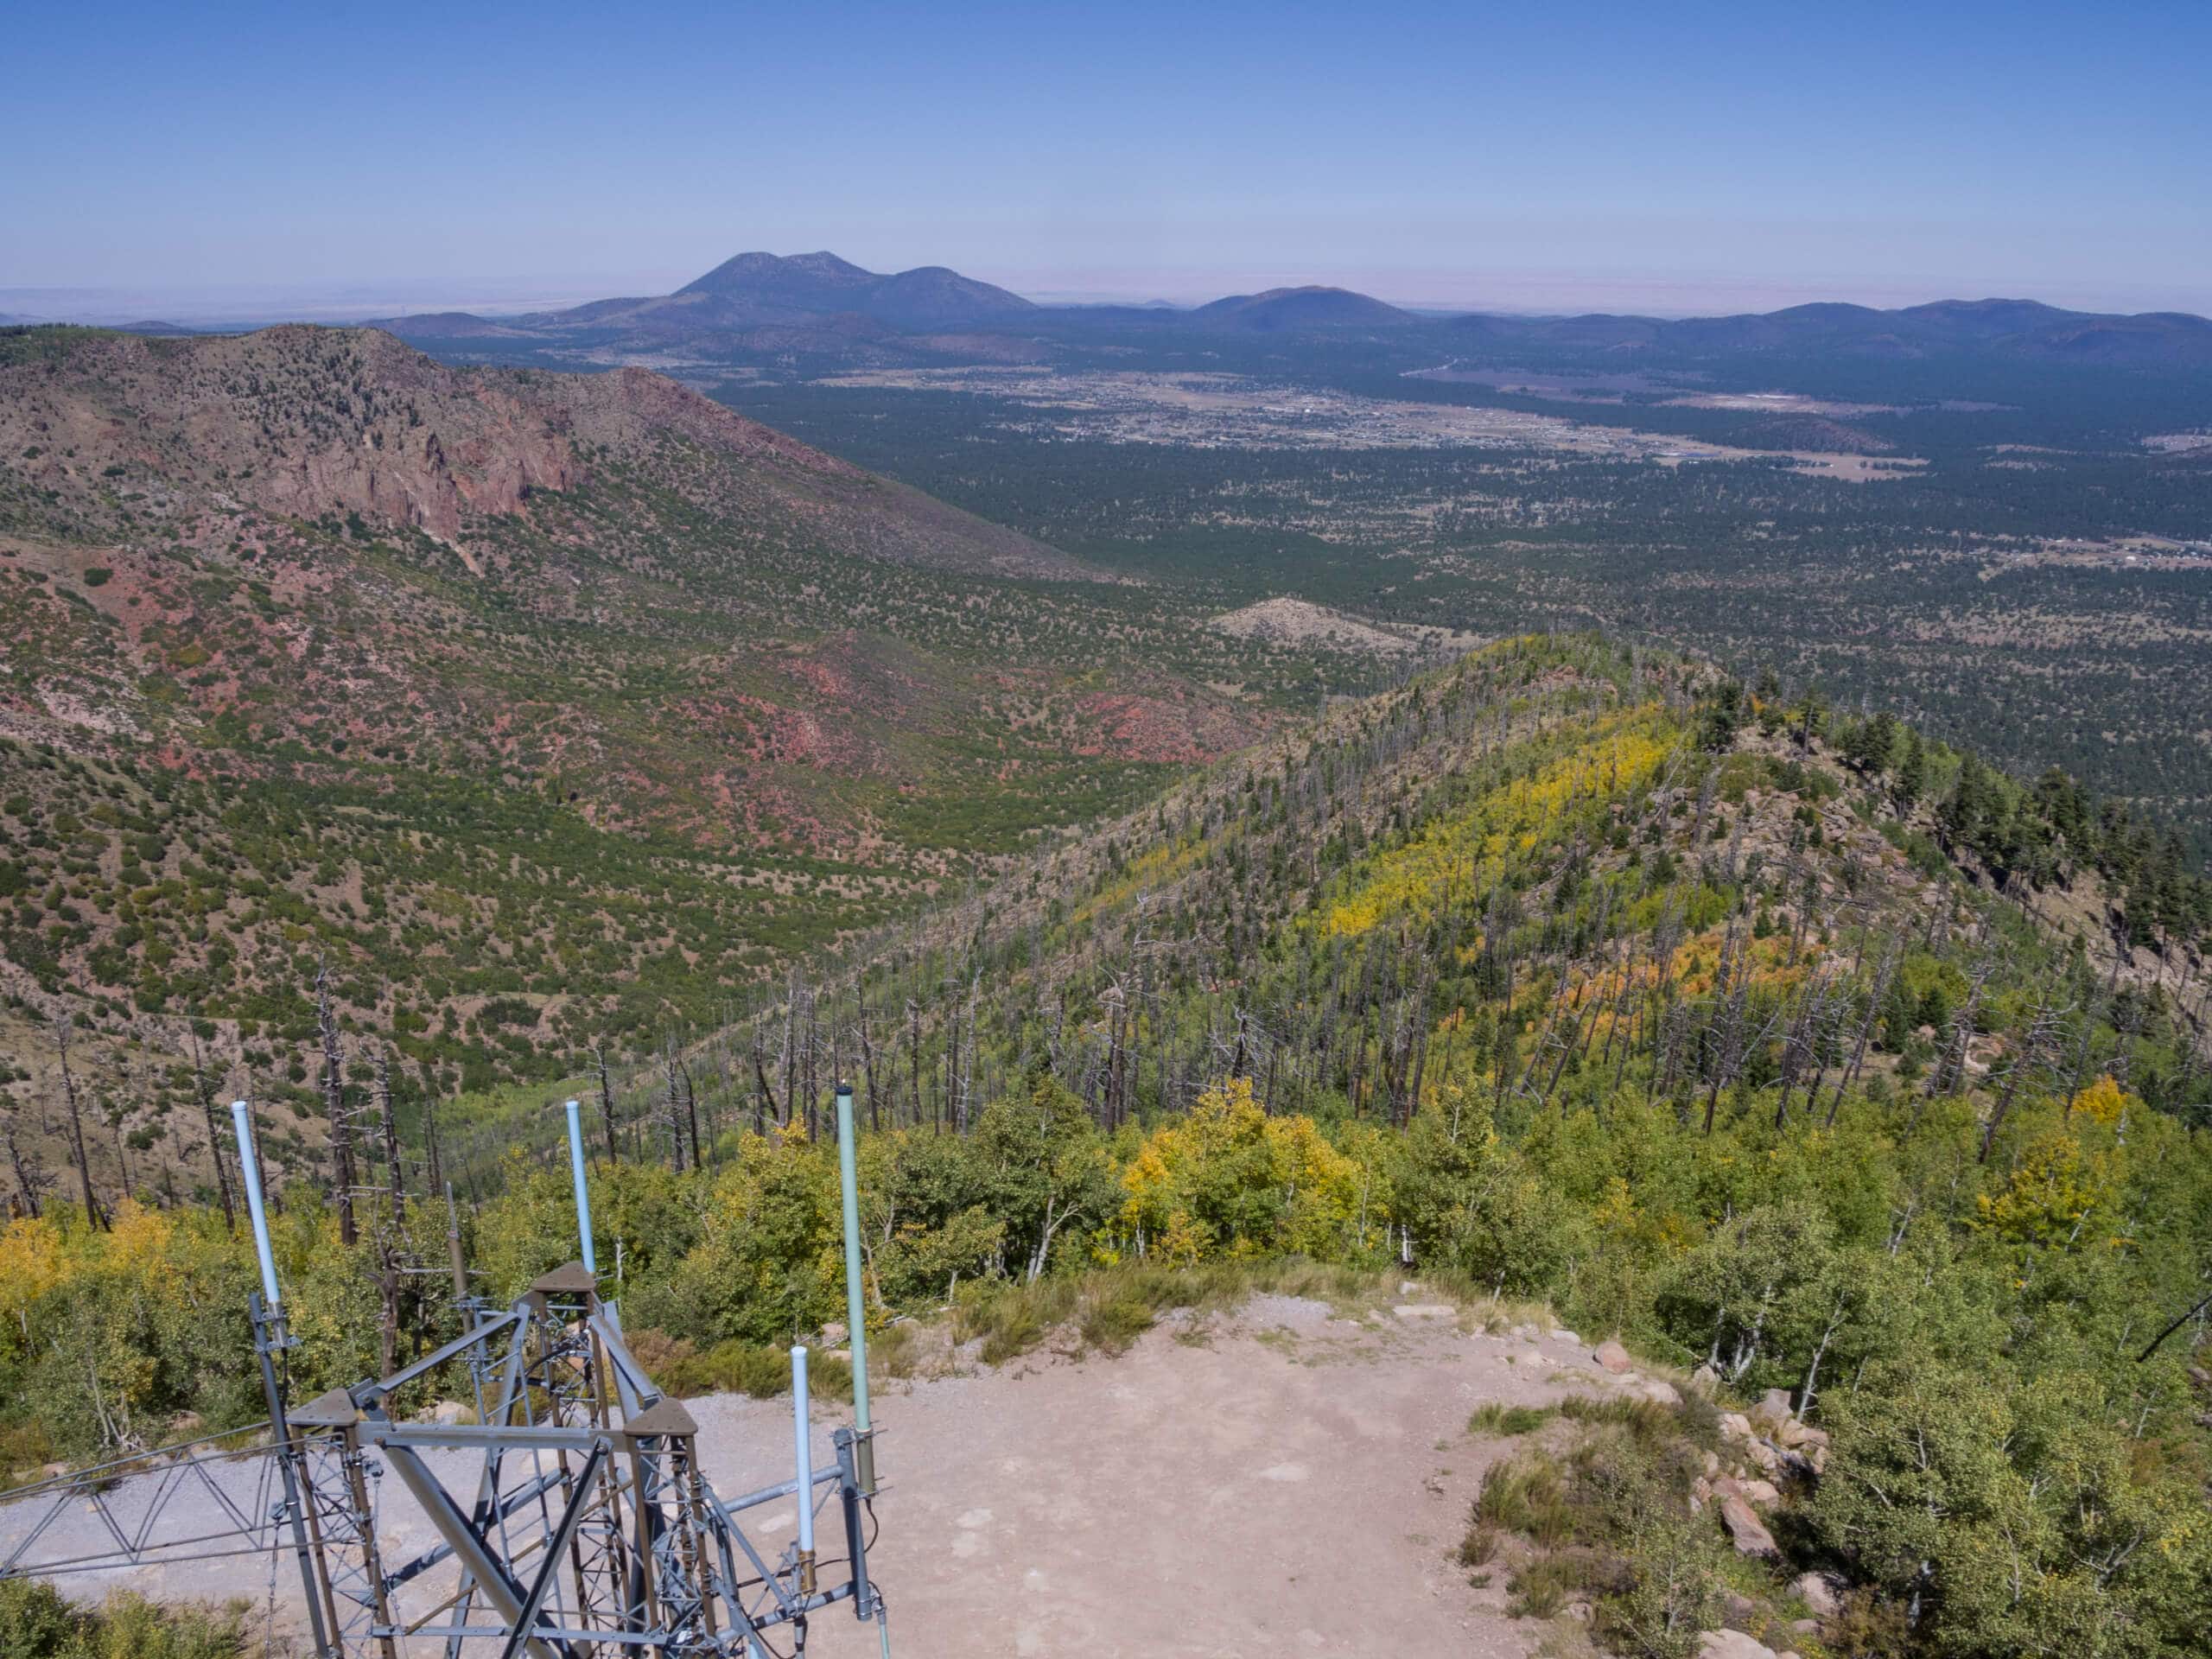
1884 978
389 1125
333 1101
26 1180
763 1098
214 1138
434 1169
679 1106
606 1103
1949 1076
64 1028
2037 1049
1798 1046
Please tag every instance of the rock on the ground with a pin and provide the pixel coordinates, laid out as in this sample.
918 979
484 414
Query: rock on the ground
1818 1595
1734 1426
1732 1644
1661 1392
1612 1356
1772 1411
1745 1530
1796 1435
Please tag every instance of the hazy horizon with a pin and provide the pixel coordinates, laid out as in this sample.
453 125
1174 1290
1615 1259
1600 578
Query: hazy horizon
1530 293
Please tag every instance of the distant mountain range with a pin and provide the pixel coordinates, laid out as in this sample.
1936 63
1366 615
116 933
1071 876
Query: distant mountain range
2016 327
1288 310
819 305
929 296
821 308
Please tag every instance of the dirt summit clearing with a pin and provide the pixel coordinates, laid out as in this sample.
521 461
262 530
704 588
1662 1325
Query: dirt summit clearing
1281 1480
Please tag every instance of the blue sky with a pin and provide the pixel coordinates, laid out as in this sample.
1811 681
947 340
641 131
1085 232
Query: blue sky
1672 158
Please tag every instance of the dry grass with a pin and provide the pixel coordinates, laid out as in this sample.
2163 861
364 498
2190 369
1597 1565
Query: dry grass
1500 1419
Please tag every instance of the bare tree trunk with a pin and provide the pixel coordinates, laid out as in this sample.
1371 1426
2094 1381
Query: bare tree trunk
915 1052
763 1098
334 1098
25 1183
671 1104
214 1139
690 1110
434 1176
63 1028
389 1126
606 1105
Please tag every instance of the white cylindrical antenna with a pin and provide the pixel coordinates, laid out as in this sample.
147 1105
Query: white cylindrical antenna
802 1431
584 1193
250 1172
855 1302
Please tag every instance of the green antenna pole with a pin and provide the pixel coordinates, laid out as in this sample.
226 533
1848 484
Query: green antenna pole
856 1301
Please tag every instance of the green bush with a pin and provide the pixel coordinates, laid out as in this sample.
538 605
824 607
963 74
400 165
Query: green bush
36 1622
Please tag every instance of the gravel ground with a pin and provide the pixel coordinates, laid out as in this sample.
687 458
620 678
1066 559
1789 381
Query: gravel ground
1278 1481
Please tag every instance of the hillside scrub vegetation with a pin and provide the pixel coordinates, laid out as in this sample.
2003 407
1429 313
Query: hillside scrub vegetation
1801 1059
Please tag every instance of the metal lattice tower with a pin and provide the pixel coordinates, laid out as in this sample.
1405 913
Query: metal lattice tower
571 1518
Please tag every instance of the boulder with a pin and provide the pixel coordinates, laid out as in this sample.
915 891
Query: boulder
1818 1595
1706 1381
1760 1494
1661 1392
450 1413
1769 1460
1732 1644
1745 1530
1612 1356
1734 1426
1795 1435
1772 1411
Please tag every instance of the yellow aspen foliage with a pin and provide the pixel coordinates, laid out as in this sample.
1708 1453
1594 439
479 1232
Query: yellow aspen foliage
139 1243
31 1264
1229 1180
2102 1102
2057 1187
1462 851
